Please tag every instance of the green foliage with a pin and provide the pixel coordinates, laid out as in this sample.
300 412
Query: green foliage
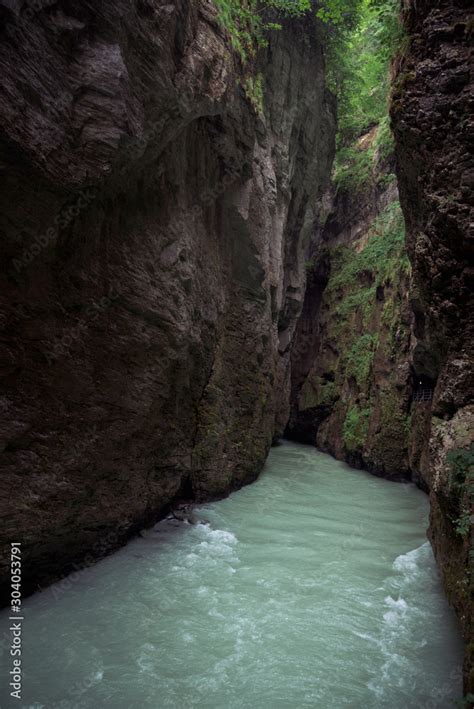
384 142
391 320
318 393
247 26
359 358
358 73
386 180
253 86
385 251
461 484
328 393
341 16
358 63
381 257
362 298
356 275
356 163
248 21
356 426
353 167
393 418
462 466
463 523
358 322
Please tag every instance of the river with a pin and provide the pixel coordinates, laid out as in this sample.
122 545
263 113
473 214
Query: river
313 587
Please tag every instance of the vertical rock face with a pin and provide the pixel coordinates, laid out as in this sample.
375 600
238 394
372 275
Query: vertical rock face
432 116
154 220
351 375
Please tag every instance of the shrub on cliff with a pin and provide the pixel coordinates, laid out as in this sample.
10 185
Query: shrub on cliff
248 21
247 25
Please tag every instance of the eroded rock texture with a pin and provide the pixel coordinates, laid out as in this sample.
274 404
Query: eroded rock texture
153 234
351 376
432 113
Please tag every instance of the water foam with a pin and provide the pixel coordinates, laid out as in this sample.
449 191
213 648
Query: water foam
412 562
269 605
403 619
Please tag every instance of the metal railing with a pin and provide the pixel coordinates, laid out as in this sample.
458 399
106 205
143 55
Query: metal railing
423 395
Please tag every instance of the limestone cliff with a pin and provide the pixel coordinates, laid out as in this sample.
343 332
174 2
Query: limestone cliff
351 374
432 117
382 359
155 209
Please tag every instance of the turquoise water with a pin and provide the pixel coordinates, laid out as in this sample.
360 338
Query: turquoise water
314 587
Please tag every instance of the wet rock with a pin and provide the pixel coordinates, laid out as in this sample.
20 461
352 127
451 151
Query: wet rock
358 413
153 235
434 156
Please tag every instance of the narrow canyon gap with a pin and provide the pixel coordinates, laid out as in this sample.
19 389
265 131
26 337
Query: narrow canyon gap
187 275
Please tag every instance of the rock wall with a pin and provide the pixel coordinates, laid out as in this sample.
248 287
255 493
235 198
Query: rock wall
351 374
154 216
432 118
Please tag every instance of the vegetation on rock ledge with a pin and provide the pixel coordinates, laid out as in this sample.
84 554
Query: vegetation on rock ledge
248 24
248 21
461 484
382 256
356 426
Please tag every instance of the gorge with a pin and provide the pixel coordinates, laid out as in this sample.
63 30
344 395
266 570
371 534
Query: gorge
186 279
